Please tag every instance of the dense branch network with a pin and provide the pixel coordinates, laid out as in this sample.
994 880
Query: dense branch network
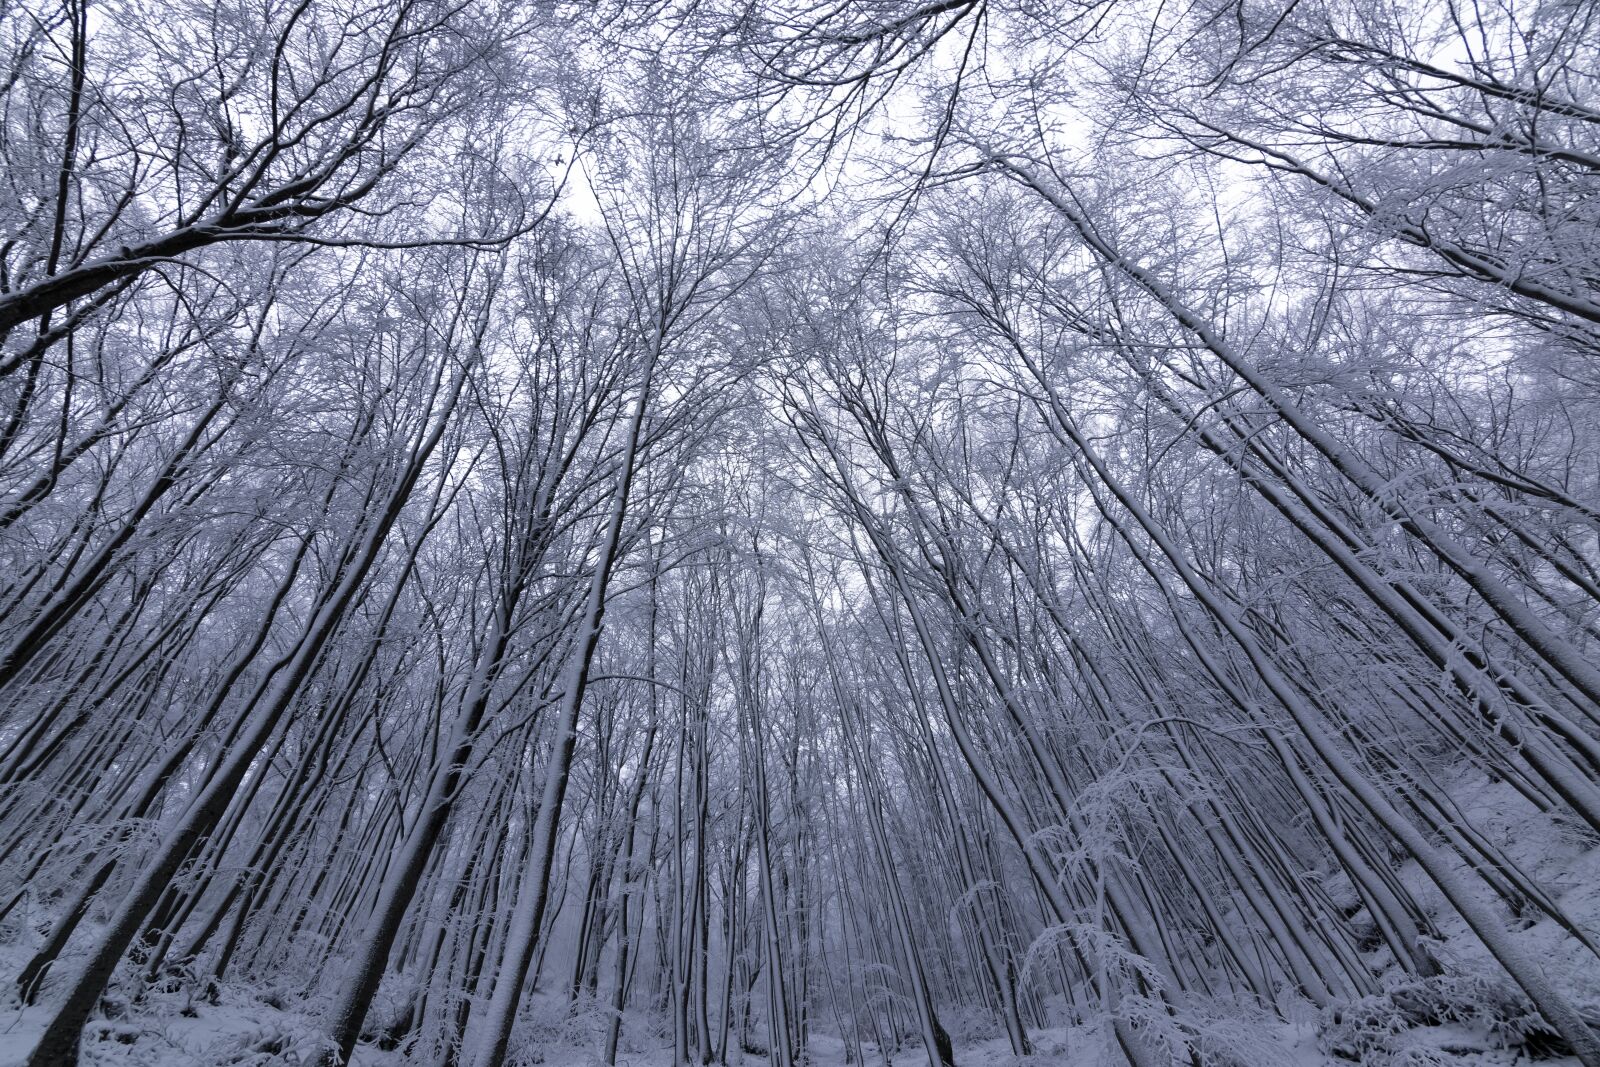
807 533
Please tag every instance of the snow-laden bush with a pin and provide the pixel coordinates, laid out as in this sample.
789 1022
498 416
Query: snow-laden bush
1386 1029
1363 1029
391 1017
968 1025
268 1044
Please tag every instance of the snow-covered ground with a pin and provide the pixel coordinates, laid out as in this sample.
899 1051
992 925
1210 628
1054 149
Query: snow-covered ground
251 1034
1467 1018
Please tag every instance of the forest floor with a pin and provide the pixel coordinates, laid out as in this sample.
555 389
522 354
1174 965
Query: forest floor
1466 1020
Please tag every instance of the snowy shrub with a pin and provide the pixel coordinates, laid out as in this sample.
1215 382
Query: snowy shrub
1363 1030
267 1044
390 1019
1381 1030
1419 1056
967 1025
